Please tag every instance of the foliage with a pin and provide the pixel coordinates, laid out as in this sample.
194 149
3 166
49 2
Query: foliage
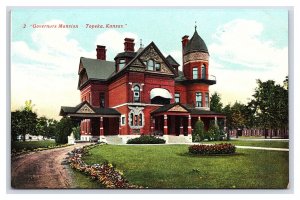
23 122
223 148
63 129
105 173
271 104
214 132
215 103
76 132
146 139
198 132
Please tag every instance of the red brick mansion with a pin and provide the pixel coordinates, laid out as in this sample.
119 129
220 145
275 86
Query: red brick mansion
144 92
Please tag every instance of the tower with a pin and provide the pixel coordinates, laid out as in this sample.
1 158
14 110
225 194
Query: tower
195 64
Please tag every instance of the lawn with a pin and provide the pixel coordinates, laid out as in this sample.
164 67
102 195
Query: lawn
30 145
270 144
169 166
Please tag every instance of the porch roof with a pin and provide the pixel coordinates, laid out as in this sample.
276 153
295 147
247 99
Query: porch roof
84 109
184 108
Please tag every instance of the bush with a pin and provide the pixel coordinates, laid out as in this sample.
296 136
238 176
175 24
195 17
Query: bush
224 148
198 132
146 139
214 132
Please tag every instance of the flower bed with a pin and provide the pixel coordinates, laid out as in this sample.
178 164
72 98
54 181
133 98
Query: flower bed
216 149
105 173
146 139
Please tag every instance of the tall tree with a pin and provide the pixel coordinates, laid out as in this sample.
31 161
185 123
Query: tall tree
271 104
215 103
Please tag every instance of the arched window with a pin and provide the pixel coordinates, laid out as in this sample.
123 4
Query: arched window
203 72
136 93
150 65
195 73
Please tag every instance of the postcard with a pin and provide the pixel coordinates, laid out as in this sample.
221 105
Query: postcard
149 98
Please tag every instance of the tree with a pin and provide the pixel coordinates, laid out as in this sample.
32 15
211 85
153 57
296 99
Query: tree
214 132
76 132
23 122
271 104
215 103
198 132
63 130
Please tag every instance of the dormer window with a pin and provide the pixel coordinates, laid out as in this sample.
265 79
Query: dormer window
122 63
150 65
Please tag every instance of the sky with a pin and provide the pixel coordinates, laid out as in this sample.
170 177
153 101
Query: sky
244 45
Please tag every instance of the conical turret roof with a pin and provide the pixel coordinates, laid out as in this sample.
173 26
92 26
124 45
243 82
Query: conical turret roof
196 43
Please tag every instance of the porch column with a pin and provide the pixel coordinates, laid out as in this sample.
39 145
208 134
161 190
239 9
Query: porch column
101 126
152 124
189 125
165 125
181 127
199 118
216 120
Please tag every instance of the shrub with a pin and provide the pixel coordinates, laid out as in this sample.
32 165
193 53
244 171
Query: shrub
224 148
198 132
214 132
146 139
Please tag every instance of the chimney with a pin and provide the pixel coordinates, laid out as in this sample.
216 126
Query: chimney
101 52
129 45
184 41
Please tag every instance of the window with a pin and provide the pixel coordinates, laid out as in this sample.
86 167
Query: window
121 64
198 99
203 72
136 119
136 93
131 118
102 99
195 73
177 97
206 99
150 65
140 119
157 66
123 120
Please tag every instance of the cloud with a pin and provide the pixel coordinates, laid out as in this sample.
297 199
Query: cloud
45 69
239 57
239 42
114 42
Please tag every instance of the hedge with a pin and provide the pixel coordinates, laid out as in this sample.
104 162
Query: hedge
223 148
146 139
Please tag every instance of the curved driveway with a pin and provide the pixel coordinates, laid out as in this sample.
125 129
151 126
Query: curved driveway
43 169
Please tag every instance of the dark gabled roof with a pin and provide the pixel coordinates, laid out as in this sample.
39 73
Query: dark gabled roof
126 55
65 110
180 76
97 69
171 60
196 43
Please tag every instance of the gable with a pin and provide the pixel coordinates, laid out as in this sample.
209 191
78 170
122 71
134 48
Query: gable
151 52
177 108
85 108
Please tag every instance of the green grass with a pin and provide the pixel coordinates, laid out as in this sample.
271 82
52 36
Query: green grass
169 166
82 181
30 145
270 144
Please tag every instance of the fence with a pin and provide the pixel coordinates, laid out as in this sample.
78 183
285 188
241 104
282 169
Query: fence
270 133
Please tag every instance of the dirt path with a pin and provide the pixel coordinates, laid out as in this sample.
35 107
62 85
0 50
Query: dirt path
42 169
